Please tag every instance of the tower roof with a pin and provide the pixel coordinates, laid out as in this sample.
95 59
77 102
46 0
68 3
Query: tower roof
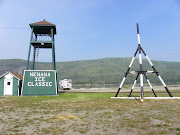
44 24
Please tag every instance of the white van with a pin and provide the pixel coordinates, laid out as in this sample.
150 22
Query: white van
65 84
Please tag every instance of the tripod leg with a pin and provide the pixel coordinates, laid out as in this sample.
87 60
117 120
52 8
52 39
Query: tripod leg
157 74
133 85
126 74
165 85
150 85
147 58
120 86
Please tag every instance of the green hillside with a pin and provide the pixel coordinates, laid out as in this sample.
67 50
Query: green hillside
101 71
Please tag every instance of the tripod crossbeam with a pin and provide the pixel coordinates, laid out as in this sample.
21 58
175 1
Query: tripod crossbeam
142 72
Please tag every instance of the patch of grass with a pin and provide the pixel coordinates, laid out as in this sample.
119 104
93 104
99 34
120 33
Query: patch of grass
82 131
15 130
16 126
158 125
163 132
165 125
178 129
46 131
144 127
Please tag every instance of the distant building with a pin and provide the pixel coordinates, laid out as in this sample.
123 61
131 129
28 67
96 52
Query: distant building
10 84
65 84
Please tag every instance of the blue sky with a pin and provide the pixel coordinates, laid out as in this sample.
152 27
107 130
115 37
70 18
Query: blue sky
93 29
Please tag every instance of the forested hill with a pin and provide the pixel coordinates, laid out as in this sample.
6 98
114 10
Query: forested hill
100 71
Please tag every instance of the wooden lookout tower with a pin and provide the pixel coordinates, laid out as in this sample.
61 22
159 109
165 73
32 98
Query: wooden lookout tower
40 82
42 36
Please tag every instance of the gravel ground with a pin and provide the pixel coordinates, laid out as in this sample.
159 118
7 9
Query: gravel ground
87 113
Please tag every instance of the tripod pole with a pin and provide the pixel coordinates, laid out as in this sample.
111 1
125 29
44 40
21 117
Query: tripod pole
140 64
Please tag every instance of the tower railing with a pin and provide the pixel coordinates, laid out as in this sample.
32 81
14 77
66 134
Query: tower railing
41 37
